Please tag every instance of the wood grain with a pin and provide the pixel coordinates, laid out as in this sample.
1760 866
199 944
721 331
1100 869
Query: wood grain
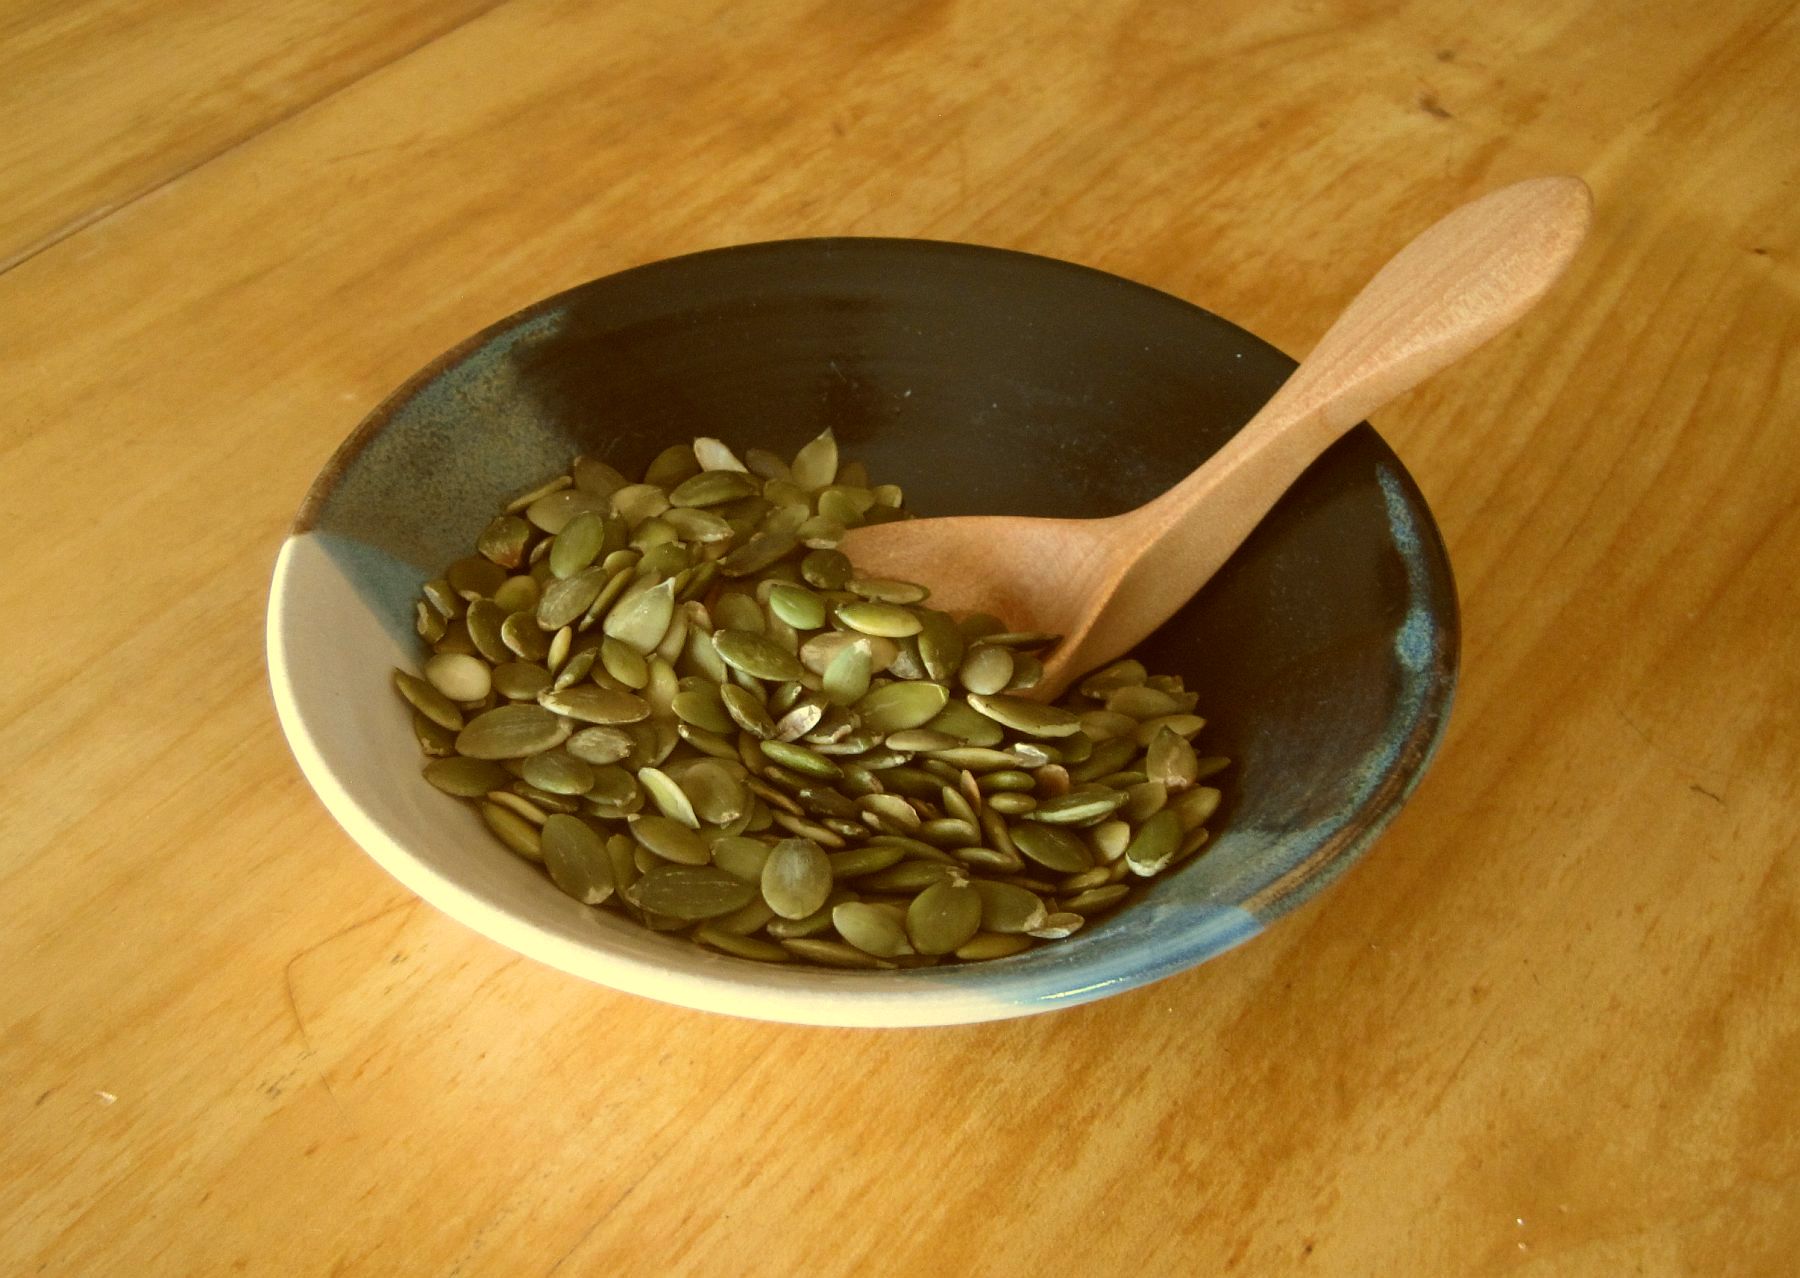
1548 1025
102 101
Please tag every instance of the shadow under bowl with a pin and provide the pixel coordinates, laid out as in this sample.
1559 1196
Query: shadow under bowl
982 381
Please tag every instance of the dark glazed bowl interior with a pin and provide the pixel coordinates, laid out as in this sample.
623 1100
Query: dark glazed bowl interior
982 381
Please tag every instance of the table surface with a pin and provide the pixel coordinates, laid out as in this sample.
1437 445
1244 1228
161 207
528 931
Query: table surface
1549 1024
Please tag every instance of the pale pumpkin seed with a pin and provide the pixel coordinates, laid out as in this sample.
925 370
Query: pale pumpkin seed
816 464
1155 843
890 621
513 830
524 639
592 704
1058 926
1033 718
671 840
639 621
796 878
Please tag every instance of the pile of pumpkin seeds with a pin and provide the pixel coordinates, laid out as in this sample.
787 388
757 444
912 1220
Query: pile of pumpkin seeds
677 696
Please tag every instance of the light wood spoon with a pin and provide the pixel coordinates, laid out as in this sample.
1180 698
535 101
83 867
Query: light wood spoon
1104 584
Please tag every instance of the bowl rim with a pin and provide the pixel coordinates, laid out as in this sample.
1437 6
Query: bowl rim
746 992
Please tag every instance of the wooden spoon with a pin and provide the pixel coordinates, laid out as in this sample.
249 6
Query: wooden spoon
1104 584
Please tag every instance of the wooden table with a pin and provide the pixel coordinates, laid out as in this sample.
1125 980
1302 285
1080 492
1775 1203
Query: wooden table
1551 1024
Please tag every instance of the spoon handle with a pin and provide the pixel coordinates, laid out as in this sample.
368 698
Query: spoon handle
1459 283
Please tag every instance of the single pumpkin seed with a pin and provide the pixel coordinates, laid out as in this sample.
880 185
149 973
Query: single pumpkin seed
1096 899
1058 926
1079 807
690 891
524 639
1031 717
756 655
599 745
559 772
435 740
890 621
797 606
593 704
816 464
943 917
576 858
465 778
669 798
1155 844
513 830
796 878
991 945
895 707
553 511
576 547
428 701
476 577
641 620
872 929
671 840
1008 908
1051 846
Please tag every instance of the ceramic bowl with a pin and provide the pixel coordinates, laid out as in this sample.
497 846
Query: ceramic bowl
980 380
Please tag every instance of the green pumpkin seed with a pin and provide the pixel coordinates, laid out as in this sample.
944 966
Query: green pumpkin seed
1009 908
576 547
435 740
576 858
969 726
594 476
511 732
895 707
1058 926
717 794
825 569
1155 844
640 621
428 701
559 772
485 620
943 917
1096 899
714 488
796 878
1195 806
513 830
801 759
1182 725
940 644
1109 840
797 606
1033 718
816 464
465 778
846 679
987 669
524 500
1051 846
671 840
476 577
592 704
745 947
890 621
599 745
758 553
887 590
991 945
830 953
1011 803
872 929
1079 807
668 797
443 600
524 639
741 857
553 511
703 707
690 892
756 655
